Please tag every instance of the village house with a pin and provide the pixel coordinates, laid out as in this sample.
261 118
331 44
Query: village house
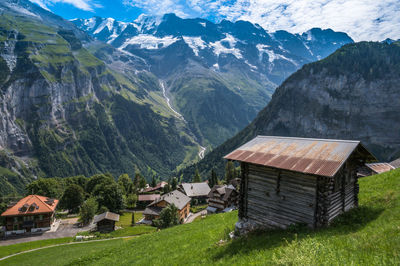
221 198
374 169
180 200
395 163
158 188
289 181
105 222
33 213
146 199
198 192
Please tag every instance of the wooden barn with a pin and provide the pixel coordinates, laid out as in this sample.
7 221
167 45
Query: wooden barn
289 181
106 221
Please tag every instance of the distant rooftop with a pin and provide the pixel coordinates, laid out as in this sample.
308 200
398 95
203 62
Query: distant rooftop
32 204
380 167
148 197
196 189
307 155
175 197
395 163
158 186
106 216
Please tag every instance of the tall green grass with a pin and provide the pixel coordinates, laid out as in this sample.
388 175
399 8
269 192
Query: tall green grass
368 235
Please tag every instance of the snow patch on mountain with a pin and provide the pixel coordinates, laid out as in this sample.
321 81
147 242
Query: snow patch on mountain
146 23
202 24
272 56
196 43
22 10
226 46
90 23
146 41
252 67
108 22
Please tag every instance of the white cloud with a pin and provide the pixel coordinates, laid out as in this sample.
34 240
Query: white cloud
361 19
40 3
87 5
161 7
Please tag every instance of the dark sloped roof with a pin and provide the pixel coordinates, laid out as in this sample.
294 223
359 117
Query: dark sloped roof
380 167
175 197
322 157
106 216
196 189
225 190
152 210
395 163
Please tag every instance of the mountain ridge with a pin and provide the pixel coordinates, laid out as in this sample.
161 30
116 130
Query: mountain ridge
351 94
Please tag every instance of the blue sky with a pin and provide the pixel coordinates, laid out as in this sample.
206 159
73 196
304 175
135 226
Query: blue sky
362 19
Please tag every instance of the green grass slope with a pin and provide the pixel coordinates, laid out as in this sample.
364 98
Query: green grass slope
368 235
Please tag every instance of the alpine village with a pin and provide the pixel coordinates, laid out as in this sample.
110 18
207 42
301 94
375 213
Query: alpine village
199 132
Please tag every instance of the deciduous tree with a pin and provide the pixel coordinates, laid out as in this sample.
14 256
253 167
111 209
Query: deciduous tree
88 210
168 217
72 198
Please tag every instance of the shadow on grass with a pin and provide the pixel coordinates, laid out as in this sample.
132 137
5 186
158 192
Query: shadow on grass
349 222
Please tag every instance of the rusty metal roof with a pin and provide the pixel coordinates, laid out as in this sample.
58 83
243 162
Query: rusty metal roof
322 157
380 167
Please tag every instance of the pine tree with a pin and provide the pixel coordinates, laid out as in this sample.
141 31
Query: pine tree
174 183
197 177
213 178
153 181
230 171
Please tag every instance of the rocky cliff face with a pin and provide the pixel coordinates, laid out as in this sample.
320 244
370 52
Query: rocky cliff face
352 94
64 112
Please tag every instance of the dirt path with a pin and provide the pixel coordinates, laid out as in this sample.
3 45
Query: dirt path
64 244
194 216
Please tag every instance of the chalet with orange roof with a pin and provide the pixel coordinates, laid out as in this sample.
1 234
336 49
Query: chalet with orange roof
31 214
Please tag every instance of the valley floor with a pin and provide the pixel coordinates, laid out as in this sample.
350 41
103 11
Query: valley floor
368 235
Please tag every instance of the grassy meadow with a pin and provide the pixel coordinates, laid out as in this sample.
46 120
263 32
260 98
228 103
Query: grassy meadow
368 235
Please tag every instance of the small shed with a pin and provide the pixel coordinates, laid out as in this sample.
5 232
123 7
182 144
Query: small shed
289 181
106 221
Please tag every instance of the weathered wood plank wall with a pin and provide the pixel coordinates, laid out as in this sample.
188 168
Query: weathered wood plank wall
279 197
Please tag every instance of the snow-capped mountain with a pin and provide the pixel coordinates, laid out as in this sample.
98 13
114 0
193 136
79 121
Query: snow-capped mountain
204 63
203 36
